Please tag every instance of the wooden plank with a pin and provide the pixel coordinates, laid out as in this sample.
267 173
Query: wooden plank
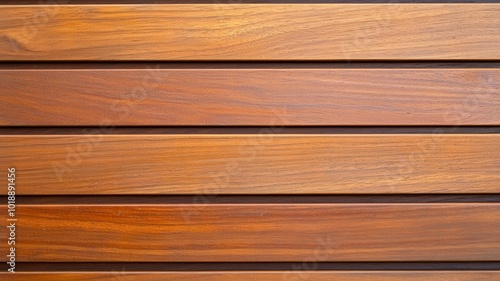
261 276
257 232
260 97
264 163
250 32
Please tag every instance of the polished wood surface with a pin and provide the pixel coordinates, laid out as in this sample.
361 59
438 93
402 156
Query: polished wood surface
231 141
451 31
254 164
261 276
258 232
260 97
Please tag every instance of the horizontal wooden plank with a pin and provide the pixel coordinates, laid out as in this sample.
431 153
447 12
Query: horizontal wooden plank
260 97
95 163
261 276
257 232
250 32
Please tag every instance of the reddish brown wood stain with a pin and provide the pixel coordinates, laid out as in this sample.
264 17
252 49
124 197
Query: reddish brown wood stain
252 32
254 164
261 97
305 198
262 276
259 232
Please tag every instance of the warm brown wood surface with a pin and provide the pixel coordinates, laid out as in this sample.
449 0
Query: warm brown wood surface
298 275
257 232
253 164
250 32
237 141
261 97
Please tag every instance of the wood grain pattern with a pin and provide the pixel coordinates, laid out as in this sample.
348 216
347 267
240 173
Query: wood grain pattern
250 32
258 101
253 164
261 276
261 97
257 232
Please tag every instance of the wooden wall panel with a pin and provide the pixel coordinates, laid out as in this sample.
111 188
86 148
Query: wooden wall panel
250 32
258 232
268 148
254 164
261 276
260 97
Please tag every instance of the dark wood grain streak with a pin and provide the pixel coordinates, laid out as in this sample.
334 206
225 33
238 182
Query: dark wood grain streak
259 275
258 97
258 232
250 32
253 164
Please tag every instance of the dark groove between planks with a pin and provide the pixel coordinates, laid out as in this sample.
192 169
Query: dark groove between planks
253 266
204 199
132 130
246 64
